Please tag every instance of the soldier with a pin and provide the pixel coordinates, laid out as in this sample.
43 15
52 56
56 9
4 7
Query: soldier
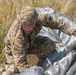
20 39
17 41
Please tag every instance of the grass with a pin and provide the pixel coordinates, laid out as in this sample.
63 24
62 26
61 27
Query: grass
10 8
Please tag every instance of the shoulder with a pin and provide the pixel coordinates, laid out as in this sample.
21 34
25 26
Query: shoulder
13 29
13 26
15 23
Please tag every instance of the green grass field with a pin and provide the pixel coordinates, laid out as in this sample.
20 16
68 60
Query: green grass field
10 8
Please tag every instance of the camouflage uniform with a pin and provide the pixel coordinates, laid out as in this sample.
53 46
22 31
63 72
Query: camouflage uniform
17 42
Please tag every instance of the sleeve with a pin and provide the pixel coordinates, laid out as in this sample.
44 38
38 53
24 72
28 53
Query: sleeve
20 51
61 22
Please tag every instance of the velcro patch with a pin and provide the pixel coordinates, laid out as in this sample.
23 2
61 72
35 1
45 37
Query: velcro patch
19 44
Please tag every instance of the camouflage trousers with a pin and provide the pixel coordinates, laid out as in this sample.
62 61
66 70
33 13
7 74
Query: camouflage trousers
10 65
10 68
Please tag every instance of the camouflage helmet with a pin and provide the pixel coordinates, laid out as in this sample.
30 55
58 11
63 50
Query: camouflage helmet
27 15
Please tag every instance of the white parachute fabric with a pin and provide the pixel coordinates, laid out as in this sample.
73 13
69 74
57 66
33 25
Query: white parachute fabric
72 70
61 65
61 40
46 10
54 57
49 33
64 43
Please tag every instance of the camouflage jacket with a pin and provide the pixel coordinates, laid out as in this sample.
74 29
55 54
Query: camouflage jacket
18 39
